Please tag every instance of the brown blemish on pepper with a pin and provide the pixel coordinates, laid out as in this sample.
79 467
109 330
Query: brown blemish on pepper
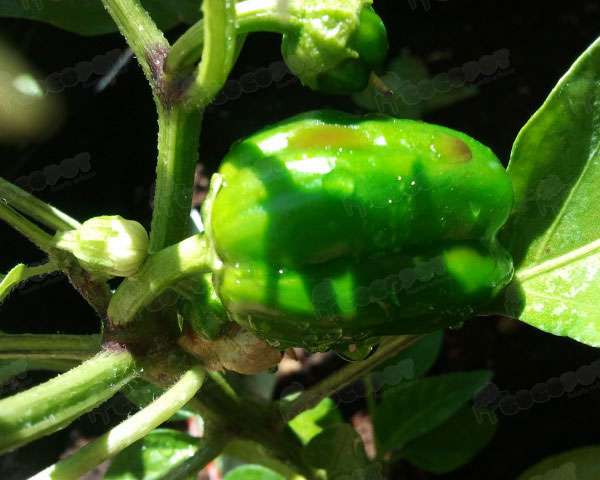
323 136
452 149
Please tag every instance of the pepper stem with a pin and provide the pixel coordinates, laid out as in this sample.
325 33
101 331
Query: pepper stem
351 372
178 140
145 39
129 431
53 405
161 271
35 208
25 227
251 16
63 347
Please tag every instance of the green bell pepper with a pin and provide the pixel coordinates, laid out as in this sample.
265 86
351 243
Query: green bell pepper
332 229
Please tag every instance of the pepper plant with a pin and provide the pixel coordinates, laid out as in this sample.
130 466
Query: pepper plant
364 235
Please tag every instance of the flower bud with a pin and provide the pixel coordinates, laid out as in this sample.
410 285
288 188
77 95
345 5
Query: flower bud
107 245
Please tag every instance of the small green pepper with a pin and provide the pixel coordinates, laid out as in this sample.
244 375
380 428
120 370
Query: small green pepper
337 46
333 229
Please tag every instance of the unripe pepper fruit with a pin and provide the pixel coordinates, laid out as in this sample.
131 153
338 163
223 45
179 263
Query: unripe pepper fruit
333 229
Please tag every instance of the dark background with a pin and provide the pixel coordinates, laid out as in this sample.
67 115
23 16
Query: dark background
117 128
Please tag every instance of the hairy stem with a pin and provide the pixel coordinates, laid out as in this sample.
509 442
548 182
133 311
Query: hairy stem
251 16
63 347
218 52
162 271
129 431
178 140
350 373
33 207
53 405
25 227
209 448
145 39
36 271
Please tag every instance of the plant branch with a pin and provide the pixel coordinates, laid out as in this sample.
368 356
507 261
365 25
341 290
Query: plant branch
145 39
21 273
129 431
35 208
209 448
95 292
51 406
63 347
218 52
25 227
161 271
36 270
178 140
251 16
350 373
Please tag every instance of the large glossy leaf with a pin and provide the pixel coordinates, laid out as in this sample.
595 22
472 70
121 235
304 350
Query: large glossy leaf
578 464
88 17
451 445
153 456
554 232
416 408
311 422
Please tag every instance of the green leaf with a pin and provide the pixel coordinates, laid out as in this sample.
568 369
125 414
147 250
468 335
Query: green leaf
11 279
340 451
88 17
417 407
253 472
579 464
452 444
311 422
153 456
554 233
411 363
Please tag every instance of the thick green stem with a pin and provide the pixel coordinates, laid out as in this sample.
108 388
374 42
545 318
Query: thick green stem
218 52
162 271
209 448
53 405
25 227
64 347
143 36
178 139
350 373
33 207
251 16
129 431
